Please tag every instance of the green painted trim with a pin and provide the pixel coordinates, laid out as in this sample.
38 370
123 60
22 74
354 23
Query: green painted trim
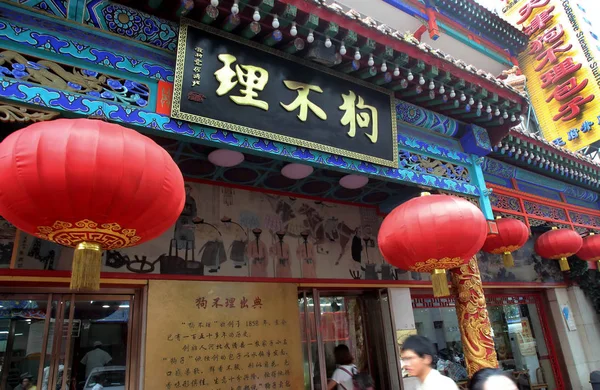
480 48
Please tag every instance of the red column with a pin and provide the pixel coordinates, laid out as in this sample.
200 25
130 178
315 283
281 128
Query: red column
473 319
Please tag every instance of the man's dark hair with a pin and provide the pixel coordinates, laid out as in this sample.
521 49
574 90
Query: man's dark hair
419 345
342 354
478 380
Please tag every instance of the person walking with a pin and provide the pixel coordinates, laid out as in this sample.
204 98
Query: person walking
342 377
95 358
25 382
417 359
491 379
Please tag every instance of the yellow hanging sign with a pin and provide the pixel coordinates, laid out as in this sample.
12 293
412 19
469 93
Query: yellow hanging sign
563 78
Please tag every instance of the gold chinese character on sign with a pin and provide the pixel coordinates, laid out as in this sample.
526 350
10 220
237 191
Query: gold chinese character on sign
302 101
251 78
363 119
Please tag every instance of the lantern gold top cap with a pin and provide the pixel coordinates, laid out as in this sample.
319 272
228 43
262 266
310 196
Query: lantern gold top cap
425 193
591 234
554 228
498 217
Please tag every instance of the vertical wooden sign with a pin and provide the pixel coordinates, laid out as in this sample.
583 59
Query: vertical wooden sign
223 336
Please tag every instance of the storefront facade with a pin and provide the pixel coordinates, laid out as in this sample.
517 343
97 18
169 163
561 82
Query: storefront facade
252 234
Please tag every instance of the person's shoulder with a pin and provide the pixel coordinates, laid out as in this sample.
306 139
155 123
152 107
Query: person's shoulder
447 382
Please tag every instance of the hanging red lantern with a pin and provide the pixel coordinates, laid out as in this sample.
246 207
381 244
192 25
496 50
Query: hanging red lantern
558 244
432 234
590 250
90 185
512 235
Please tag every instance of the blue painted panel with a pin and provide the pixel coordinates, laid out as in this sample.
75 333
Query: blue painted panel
131 23
498 168
420 117
76 42
476 141
498 180
76 104
56 8
539 191
581 203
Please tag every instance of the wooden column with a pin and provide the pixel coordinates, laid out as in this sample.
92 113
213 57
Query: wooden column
473 319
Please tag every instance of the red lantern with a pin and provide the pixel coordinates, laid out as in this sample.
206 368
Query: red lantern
89 185
512 235
432 234
590 250
558 244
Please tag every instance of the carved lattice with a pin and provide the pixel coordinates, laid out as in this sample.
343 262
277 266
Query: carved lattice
505 202
20 114
424 164
545 211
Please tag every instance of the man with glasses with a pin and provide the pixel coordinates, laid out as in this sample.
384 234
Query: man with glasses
417 359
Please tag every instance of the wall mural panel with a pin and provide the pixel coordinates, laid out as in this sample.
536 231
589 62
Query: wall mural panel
232 232
7 242
529 267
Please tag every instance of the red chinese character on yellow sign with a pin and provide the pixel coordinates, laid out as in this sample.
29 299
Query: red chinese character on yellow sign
549 55
570 110
551 35
567 90
539 21
526 10
558 71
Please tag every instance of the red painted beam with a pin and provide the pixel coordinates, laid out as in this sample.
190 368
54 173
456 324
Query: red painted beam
434 30
419 32
409 49
488 44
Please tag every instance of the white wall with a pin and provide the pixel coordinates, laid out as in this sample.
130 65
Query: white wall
581 346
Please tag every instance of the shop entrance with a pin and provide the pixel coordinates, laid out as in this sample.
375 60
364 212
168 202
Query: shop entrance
359 319
66 341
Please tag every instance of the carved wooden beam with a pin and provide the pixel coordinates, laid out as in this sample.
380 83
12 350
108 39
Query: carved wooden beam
12 113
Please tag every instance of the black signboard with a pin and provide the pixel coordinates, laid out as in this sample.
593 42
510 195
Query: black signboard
251 89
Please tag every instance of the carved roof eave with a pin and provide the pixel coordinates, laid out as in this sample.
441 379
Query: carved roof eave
533 150
514 37
386 36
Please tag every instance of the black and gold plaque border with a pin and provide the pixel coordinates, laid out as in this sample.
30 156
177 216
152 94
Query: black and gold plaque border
176 112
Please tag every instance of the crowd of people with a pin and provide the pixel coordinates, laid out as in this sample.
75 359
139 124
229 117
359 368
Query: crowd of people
418 355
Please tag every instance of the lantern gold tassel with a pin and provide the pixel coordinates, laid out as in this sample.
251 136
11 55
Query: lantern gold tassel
508 259
87 263
440 283
564 264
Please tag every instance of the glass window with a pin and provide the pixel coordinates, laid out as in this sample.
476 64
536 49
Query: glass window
518 338
21 337
355 319
75 343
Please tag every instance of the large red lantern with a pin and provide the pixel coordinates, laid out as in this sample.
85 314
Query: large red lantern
90 185
558 244
432 234
590 250
512 235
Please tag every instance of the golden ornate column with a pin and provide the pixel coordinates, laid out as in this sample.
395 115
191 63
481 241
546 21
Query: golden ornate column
473 319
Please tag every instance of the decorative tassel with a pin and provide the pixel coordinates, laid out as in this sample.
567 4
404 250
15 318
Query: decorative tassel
508 259
564 264
440 283
87 263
